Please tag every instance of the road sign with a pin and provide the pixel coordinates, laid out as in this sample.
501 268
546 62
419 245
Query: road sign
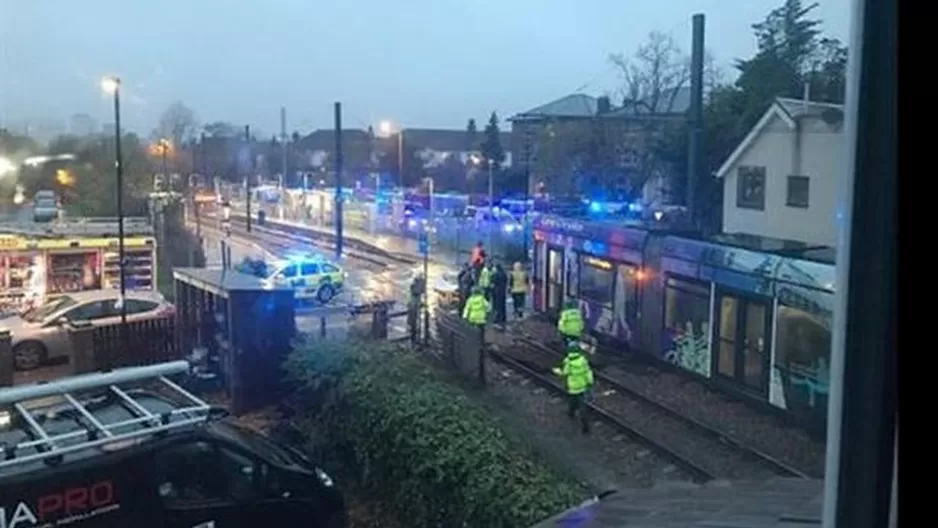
424 244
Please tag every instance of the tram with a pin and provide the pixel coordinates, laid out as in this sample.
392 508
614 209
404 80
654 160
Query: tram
38 261
750 314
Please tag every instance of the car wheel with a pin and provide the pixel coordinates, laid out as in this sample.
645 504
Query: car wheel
29 355
325 294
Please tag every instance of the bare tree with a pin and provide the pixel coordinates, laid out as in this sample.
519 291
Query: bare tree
652 77
178 124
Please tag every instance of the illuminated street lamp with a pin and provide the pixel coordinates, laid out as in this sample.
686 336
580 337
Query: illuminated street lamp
478 160
112 85
387 128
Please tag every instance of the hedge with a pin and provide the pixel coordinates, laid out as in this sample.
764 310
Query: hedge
433 453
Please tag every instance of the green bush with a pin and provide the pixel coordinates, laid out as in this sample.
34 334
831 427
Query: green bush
433 453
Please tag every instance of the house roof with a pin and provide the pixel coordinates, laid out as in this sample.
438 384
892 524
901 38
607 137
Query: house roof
676 101
324 138
574 105
789 111
438 139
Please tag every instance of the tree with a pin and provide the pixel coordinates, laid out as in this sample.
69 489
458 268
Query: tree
178 123
471 136
652 78
491 147
221 129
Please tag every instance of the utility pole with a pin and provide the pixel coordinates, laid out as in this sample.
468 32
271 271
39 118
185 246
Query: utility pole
247 179
695 119
283 145
527 188
491 223
400 160
338 180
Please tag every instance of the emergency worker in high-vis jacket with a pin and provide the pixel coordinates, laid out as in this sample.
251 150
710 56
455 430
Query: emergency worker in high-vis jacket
571 323
518 284
486 274
476 311
578 379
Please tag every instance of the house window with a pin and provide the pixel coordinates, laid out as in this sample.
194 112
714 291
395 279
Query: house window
750 190
797 191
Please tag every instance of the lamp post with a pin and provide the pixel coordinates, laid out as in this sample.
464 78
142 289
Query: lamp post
387 128
431 226
478 161
112 86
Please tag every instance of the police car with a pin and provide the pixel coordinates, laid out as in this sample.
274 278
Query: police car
311 276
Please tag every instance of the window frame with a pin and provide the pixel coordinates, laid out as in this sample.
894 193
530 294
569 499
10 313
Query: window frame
579 283
799 178
743 173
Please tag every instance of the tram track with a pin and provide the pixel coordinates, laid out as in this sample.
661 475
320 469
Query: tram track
286 242
702 451
356 248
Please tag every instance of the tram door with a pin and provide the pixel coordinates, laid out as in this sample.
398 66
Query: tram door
555 277
743 338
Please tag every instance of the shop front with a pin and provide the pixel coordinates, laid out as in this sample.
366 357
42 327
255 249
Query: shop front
33 268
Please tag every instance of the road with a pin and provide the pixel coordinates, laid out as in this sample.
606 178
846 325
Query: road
366 281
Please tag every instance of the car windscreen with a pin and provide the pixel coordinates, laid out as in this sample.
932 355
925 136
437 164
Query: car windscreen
39 313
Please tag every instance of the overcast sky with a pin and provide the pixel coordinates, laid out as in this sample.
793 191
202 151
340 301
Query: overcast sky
422 63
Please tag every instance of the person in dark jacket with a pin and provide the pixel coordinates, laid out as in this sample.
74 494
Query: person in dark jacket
465 281
499 294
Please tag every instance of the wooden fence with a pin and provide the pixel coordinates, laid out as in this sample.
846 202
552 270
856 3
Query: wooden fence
106 347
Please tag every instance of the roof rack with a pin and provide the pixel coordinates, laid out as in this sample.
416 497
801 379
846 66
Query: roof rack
89 432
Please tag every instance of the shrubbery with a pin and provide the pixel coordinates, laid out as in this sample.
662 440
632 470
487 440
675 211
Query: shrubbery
433 453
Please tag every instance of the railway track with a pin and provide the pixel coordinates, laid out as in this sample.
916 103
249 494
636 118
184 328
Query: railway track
702 451
358 248
286 241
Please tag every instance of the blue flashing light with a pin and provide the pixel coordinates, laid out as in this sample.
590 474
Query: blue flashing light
596 207
636 207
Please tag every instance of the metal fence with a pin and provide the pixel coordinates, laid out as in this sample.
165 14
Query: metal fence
461 345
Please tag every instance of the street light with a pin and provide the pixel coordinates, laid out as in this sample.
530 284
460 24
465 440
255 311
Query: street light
430 228
387 128
477 159
112 86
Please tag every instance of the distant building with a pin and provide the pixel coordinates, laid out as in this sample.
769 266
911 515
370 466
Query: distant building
82 125
782 180
441 153
557 137
107 128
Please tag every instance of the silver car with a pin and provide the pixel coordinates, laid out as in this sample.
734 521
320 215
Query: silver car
41 334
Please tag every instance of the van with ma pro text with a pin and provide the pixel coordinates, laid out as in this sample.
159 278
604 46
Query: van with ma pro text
131 448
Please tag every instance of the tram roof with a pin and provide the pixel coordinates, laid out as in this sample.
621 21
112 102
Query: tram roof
601 227
79 227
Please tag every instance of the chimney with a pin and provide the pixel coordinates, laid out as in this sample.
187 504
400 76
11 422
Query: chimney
603 105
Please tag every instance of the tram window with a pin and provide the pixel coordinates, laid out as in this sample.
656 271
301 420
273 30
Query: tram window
802 357
625 291
597 280
687 325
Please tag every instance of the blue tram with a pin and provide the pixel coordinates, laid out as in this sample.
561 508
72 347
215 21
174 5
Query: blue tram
753 315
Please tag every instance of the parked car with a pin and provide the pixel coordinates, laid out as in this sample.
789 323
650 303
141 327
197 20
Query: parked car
45 206
40 334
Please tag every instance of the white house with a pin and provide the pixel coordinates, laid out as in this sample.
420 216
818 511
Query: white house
782 180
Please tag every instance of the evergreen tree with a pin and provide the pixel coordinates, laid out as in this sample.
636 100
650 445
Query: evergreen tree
491 146
472 136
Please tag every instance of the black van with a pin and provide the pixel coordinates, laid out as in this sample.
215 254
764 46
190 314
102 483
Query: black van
189 472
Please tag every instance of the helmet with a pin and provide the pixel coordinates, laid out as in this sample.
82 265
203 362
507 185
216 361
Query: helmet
571 305
476 290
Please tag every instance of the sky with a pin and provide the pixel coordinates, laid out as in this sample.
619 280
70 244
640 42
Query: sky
418 63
